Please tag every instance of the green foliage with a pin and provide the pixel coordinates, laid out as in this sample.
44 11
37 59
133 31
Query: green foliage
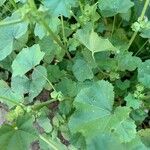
143 73
94 108
9 34
103 141
132 101
112 7
60 7
26 60
23 132
7 93
81 70
75 74
145 137
93 42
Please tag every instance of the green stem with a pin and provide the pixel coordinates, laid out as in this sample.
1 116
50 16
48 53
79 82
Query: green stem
7 8
52 34
32 5
40 105
144 9
113 28
105 21
49 142
146 97
55 38
49 82
81 8
14 4
63 30
75 17
120 24
141 18
10 100
138 52
132 39
2 23
46 26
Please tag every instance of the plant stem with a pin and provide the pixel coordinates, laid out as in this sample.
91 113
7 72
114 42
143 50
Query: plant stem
46 26
32 5
52 34
75 17
81 8
120 24
105 21
138 52
146 97
14 4
141 18
49 82
144 9
132 39
113 28
49 142
40 105
2 23
63 30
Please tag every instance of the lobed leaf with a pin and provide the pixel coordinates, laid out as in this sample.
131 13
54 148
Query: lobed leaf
26 60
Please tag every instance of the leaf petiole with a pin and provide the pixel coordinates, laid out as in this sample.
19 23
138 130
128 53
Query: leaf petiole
141 17
10 22
40 105
49 142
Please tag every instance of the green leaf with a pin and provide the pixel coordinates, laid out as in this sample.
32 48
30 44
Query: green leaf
20 84
144 73
89 59
82 70
44 122
60 7
2 2
49 48
93 42
54 73
6 63
139 115
20 42
49 143
26 60
67 87
145 31
135 144
110 8
65 107
38 81
127 62
19 137
53 23
78 141
32 86
104 141
145 137
122 61
91 104
9 34
126 16
7 93
121 125
132 102
94 115
105 62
